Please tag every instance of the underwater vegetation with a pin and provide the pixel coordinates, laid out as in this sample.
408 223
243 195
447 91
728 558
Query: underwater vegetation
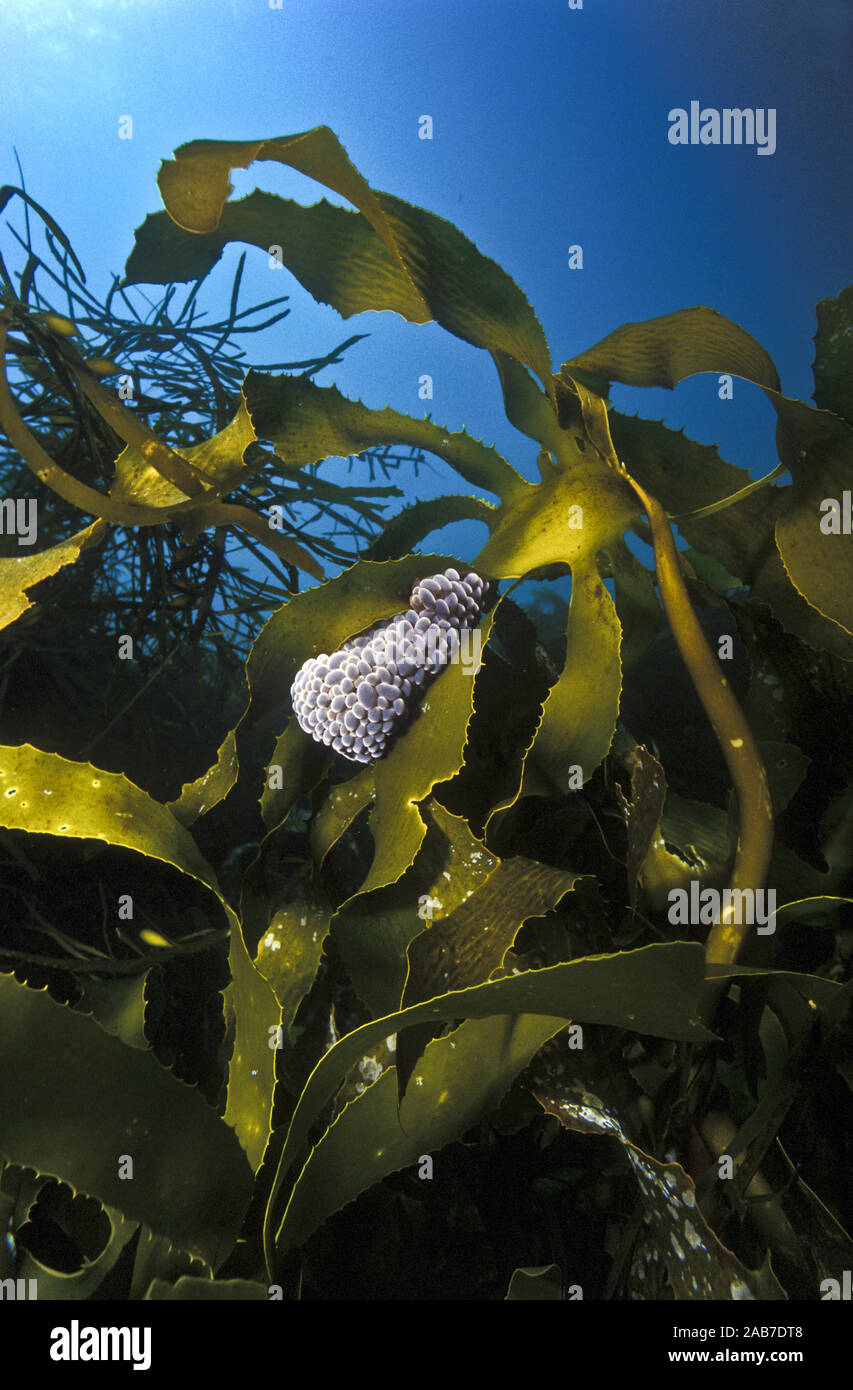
543 992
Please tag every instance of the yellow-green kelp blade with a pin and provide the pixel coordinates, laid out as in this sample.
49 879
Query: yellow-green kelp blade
448 279
43 793
655 990
21 573
82 1099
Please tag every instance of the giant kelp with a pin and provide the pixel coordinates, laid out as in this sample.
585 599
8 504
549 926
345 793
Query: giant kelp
479 922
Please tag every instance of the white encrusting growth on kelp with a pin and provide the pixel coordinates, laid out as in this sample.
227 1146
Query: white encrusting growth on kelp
354 700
